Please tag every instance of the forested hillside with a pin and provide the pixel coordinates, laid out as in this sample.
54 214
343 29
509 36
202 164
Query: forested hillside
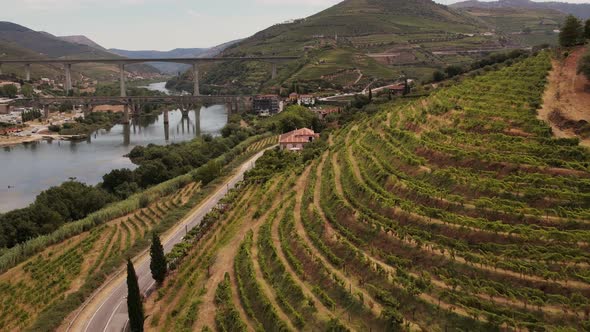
458 212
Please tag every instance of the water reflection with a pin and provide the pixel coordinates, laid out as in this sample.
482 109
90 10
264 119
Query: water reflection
31 168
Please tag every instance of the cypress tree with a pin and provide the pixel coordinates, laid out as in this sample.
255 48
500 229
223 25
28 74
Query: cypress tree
134 303
587 29
370 94
158 264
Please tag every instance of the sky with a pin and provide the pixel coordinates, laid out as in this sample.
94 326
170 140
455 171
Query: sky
160 24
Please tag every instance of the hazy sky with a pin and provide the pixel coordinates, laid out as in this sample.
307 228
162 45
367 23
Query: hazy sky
159 24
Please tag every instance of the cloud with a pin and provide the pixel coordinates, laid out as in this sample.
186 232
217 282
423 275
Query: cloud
194 13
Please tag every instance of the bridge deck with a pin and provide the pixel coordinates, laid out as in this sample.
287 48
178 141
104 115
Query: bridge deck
138 60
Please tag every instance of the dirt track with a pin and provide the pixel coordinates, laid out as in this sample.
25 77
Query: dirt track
569 94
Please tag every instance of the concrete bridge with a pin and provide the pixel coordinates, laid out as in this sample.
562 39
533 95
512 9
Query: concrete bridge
132 105
67 65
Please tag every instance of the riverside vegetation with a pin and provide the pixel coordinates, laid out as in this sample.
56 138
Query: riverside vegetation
454 212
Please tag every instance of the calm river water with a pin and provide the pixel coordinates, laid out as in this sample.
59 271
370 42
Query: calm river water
31 168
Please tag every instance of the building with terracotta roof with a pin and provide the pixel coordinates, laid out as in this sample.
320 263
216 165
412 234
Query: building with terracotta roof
297 139
397 89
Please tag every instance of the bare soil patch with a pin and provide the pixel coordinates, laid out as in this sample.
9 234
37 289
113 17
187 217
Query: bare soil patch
566 103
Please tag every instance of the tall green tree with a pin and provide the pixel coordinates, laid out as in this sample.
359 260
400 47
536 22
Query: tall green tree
10 90
27 90
158 264
587 29
134 303
571 32
370 94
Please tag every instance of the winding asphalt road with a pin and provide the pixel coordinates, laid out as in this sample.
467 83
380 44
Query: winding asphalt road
111 314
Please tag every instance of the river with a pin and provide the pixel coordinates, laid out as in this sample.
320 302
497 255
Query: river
28 169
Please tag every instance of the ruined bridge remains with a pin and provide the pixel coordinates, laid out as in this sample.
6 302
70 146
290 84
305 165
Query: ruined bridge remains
132 105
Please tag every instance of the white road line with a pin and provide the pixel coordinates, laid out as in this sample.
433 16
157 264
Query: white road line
112 315
98 310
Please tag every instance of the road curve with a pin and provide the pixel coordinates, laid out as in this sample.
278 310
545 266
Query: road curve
111 314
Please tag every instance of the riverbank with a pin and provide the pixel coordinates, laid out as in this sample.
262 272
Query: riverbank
16 140
6 141
33 167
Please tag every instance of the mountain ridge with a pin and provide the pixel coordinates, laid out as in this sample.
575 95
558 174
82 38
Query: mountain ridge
173 68
581 10
17 41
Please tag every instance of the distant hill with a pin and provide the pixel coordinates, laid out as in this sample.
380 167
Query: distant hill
173 68
355 43
44 43
521 25
164 67
17 42
581 10
82 40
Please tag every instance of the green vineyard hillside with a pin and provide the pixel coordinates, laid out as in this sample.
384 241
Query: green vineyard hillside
456 212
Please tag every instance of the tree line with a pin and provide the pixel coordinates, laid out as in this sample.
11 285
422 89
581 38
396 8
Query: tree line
574 32
454 70
52 208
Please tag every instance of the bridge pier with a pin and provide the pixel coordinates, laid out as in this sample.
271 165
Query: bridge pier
28 72
196 91
166 131
166 117
125 114
184 112
122 79
68 70
86 109
198 121
274 71
126 134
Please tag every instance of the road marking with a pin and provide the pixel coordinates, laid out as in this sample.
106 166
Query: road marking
98 310
112 315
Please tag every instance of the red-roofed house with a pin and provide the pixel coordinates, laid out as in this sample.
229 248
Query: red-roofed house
397 89
295 140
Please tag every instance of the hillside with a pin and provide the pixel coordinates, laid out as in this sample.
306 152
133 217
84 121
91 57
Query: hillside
520 25
11 50
46 45
581 10
361 42
456 212
82 40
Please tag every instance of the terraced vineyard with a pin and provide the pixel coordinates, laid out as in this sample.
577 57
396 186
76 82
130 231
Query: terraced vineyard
459 212
51 275
263 143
